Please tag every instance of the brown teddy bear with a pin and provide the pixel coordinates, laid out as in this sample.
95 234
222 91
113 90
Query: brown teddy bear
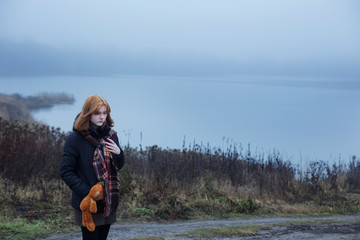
88 205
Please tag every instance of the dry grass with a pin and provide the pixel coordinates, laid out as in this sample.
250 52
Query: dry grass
170 184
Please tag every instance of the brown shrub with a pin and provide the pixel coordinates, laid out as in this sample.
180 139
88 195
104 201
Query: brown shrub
33 151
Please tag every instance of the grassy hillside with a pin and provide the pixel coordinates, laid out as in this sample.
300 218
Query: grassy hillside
11 109
17 107
165 184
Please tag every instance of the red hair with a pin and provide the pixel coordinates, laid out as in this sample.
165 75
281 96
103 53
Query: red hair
92 105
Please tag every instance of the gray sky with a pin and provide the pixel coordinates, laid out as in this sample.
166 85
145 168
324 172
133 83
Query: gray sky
278 37
303 55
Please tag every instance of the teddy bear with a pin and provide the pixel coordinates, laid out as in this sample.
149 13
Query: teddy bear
88 205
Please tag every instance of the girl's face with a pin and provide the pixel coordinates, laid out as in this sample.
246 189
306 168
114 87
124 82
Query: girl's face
98 118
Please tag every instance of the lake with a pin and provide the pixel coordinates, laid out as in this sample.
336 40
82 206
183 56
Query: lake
303 118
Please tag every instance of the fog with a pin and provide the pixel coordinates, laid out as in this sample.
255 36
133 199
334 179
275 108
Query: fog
290 38
277 74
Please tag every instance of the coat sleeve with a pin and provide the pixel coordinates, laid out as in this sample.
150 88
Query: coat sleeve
119 159
69 168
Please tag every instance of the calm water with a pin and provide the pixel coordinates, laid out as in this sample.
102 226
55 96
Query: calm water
304 119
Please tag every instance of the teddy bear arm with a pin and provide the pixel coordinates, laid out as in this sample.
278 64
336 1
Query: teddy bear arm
85 203
93 207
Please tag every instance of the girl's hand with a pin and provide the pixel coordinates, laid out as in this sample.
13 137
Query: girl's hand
111 145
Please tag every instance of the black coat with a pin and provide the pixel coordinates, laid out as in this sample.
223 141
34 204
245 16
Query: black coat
77 164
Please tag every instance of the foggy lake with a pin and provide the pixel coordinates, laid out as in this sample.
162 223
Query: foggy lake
303 119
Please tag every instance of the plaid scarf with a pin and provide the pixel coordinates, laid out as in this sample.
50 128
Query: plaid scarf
106 172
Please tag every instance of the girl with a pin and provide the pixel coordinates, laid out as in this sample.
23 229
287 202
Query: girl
92 154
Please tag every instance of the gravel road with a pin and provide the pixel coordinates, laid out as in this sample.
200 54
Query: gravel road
340 227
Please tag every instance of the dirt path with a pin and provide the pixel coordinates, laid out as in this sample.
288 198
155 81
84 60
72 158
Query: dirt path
341 227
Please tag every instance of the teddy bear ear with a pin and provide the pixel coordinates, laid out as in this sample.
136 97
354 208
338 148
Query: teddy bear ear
97 194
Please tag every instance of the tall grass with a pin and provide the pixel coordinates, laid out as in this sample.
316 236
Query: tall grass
166 183
162 170
29 150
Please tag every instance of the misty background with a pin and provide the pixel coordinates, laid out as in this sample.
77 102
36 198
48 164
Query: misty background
285 72
201 37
